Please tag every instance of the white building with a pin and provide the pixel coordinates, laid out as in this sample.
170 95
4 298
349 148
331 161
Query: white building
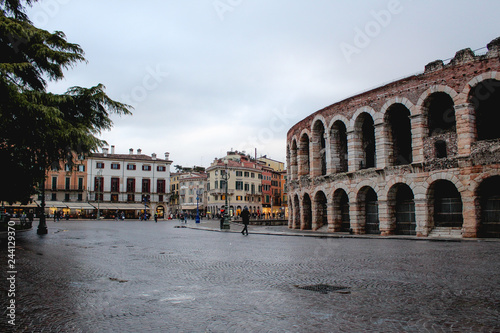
129 183
192 194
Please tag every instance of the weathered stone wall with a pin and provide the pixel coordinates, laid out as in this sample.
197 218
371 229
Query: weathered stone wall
468 161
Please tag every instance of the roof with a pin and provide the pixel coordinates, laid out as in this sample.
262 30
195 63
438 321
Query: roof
130 157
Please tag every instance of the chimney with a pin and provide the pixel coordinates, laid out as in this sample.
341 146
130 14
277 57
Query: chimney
131 151
167 155
153 156
105 151
112 149
139 151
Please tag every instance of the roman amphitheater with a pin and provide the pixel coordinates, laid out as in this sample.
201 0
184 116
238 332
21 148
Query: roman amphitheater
418 156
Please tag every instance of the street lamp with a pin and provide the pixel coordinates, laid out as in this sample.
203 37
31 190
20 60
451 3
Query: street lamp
99 179
225 176
198 193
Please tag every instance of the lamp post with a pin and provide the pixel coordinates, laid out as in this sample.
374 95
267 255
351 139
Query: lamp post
225 176
99 183
198 193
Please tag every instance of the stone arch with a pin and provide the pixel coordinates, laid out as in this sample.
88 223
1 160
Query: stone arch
318 149
401 205
398 134
364 141
303 157
341 215
296 212
488 207
368 217
338 147
320 208
306 216
484 97
444 204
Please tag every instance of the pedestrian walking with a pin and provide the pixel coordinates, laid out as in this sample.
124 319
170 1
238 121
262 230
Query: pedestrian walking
245 216
156 218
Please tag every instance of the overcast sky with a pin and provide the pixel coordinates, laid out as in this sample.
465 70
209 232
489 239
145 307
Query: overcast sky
205 76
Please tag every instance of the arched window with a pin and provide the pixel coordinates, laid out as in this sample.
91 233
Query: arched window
307 209
446 202
398 128
338 146
319 149
486 100
440 113
365 131
341 211
489 200
303 155
368 203
320 204
402 209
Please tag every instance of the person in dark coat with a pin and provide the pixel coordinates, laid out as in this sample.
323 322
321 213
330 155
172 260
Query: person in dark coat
245 216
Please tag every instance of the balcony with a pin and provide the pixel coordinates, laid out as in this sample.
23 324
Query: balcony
63 188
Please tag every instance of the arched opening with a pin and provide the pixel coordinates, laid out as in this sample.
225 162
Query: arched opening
399 131
402 209
296 212
321 209
365 131
486 100
341 217
446 202
318 149
160 211
307 211
440 113
489 199
303 155
338 146
368 203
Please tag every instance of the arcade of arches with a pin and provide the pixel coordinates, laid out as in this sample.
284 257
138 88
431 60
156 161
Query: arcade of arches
417 155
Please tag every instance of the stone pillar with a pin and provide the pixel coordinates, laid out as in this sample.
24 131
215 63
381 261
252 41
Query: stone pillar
422 218
466 129
354 151
382 146
314 156
418 132
470 214
357 218
331 217
386 224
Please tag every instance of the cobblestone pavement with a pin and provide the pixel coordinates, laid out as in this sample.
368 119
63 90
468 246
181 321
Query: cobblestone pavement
107 276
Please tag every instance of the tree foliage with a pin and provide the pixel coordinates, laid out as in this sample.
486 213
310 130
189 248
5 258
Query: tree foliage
37 128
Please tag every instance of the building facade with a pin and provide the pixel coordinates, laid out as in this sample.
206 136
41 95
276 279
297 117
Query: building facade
192 193
418 156
244 184
132 184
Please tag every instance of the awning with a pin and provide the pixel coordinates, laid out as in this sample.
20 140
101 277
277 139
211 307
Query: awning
79 205
117 206
52 204
20 205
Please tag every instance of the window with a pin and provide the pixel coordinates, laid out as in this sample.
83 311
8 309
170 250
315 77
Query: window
66 196
160 198
68 182
239 198
130 166
146 185
247 174
99 165
115 166
239 185
239 173
53 197
146 167
115 184
81 168
252 175
114 197
160 185
130 197
80 183
80 197
98 184
247 187
161 168
131 185
54 183
67 167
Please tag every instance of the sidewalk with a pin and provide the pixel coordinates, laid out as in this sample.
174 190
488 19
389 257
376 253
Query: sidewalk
235 227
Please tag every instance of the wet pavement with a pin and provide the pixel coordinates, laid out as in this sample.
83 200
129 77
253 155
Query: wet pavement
110 276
